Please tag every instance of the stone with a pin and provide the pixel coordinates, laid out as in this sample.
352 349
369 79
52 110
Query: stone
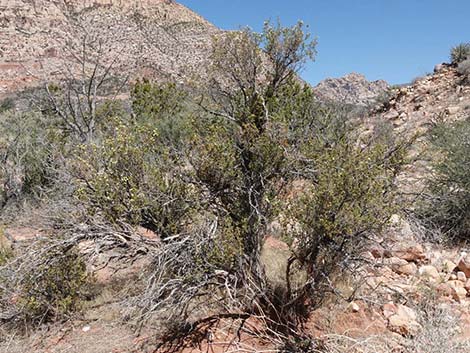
410 269
395 263
377 252
404 321
389 309
355 308
464 265
444 290
458 292
439 68
429 273
461 277
467 285
413 253
452 110
392 115
448 266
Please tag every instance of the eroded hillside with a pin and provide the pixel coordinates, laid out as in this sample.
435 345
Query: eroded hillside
42 40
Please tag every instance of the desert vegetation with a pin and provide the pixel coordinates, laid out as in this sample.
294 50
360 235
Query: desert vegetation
208 168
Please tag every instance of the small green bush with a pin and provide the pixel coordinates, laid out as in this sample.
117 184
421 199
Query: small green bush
55 288
6 104
460 53
447 206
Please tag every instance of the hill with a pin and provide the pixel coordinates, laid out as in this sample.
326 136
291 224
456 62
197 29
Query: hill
45 40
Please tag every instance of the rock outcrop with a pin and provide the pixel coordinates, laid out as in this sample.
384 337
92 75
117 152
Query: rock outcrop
352 89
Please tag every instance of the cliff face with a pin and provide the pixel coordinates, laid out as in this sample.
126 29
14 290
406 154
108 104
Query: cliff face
41 39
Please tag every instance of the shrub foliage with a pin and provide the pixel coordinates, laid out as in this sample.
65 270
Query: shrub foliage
460 53
447 206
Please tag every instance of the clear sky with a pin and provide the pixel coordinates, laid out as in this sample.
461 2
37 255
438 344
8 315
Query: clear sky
395 40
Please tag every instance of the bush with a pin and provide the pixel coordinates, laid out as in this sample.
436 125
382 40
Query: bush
27 149
464 69
54 289
129 177
460 53
162 106
260 133
47 282
447 206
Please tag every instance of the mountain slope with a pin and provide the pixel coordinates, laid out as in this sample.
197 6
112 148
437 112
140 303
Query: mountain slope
43 39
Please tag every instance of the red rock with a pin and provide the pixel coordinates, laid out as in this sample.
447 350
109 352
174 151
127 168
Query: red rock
413 253
404 321
444 289
389 309
464 265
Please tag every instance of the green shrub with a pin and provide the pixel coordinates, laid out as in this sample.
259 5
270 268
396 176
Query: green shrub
129 177
163 106
55 288
27 149
460 53
6 104
447 206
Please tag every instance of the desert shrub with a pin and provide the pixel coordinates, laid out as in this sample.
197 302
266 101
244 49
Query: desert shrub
460 53
6 104
46 282
260 133
28 152
464 69
54 289
6 252
129 177
447 205
163 106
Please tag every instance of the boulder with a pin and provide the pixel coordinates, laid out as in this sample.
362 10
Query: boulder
448 266
404 321
464 265
413 253
429 273
458 291
461 277
410 269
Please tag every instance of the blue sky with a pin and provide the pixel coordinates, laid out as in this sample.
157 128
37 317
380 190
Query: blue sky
395 40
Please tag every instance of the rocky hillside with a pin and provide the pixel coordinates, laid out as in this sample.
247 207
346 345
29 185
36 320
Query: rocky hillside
412 110
46 39
351 89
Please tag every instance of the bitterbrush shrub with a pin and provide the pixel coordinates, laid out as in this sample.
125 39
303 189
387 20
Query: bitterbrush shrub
55 288
447 204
